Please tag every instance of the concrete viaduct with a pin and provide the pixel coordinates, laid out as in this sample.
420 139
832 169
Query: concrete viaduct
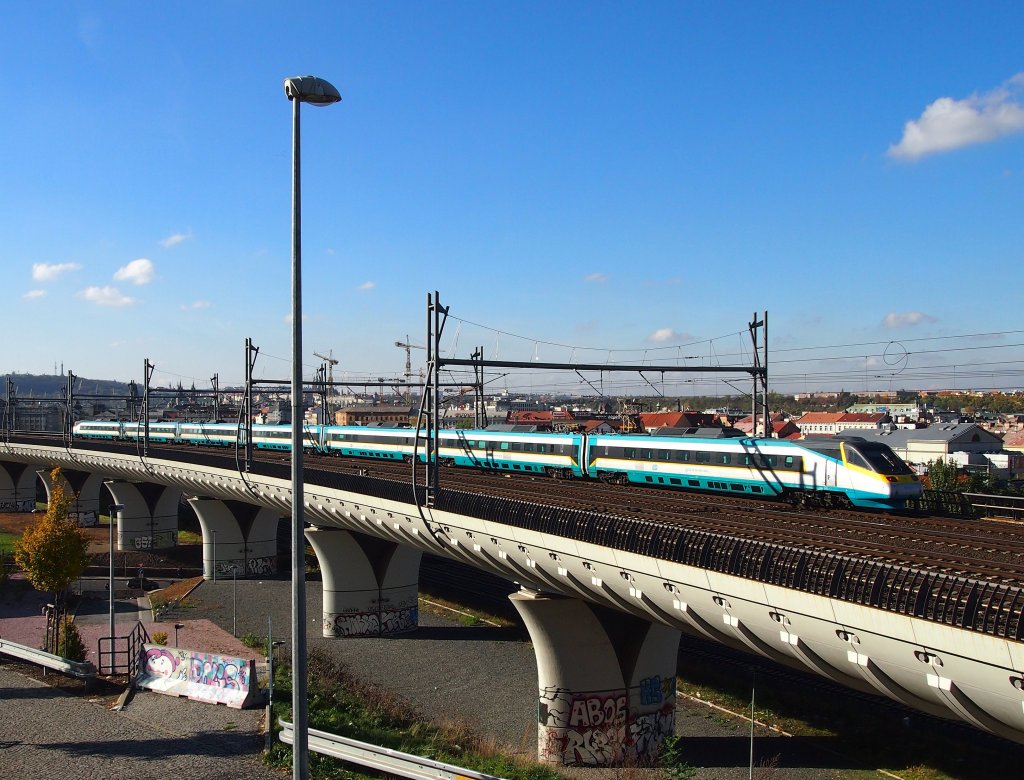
604 598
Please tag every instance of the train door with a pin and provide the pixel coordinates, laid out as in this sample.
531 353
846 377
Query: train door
831 472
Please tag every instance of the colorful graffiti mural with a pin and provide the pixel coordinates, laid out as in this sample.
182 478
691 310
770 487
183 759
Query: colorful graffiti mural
200 676
606 728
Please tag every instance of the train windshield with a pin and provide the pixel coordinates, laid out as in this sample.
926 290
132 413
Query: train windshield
877 457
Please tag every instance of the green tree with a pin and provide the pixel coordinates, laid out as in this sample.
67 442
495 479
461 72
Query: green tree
53 552
944 476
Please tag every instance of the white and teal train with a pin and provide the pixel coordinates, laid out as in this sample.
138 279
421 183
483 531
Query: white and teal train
836 472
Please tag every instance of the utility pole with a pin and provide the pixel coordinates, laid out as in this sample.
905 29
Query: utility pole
215 381
250 363
147 372
330 362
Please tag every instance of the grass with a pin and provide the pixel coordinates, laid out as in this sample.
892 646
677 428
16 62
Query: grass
467 616
7 541
341 704
877 736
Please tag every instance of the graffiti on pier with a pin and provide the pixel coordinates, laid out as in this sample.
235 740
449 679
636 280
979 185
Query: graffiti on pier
16 505
156 541
603 729
262 566
374 623
84 519
582 730
205 677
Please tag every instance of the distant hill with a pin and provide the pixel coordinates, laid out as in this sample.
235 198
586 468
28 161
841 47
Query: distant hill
52 385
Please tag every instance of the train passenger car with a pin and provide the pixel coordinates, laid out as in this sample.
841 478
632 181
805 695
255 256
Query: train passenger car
166 433
99 429
279 437
555 454
836 473
371 442
208 434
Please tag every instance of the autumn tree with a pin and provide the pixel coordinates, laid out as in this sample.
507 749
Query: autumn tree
53 551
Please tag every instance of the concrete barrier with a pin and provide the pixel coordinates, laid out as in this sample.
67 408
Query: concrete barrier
215 679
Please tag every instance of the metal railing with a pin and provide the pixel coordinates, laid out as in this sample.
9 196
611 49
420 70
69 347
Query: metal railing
392 762
80 669
1000 507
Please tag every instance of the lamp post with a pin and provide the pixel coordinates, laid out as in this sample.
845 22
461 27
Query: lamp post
176 627
114 510
234 600
215 556
317 92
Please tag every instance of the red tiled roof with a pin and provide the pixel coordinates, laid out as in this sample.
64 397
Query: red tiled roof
821 417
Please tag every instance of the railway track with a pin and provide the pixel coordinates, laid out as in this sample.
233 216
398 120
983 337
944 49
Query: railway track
977 549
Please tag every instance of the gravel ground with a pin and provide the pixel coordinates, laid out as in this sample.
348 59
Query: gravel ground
55 734
488 677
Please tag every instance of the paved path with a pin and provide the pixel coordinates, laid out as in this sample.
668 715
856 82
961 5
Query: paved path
46 733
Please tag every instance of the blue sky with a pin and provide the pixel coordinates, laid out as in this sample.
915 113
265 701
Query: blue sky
581 181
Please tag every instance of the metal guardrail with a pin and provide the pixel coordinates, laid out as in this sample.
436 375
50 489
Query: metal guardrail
393 762
81 669
999 507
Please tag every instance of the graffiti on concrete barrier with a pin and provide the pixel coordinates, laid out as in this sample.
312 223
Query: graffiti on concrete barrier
262 566
602 729
201 676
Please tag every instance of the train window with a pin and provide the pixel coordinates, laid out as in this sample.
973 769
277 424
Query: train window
683 456
724 458
649 479
703 457
881 458
629 453
675 481
736 486
647 454
528 446
793 463
756 489
693 482
504 446
542 448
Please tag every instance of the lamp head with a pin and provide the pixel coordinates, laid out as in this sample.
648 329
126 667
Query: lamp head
312 90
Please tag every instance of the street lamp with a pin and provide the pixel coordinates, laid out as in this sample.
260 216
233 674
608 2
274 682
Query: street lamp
316 92
234 600
114 510
176 627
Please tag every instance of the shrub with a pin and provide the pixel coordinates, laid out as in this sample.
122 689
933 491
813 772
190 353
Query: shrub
159 637
71 645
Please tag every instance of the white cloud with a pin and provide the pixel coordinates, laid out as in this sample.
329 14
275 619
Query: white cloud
904 319
195 305
106 296
949 124
596 277
137 272
47 272
32 294
367 285
175 238
663 334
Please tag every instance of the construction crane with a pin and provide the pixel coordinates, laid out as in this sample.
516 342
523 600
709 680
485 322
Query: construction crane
408 347
331 363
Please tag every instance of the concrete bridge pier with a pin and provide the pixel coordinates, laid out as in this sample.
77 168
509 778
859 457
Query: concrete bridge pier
84 486
606 679
149 520
370 585
238 539
17 487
